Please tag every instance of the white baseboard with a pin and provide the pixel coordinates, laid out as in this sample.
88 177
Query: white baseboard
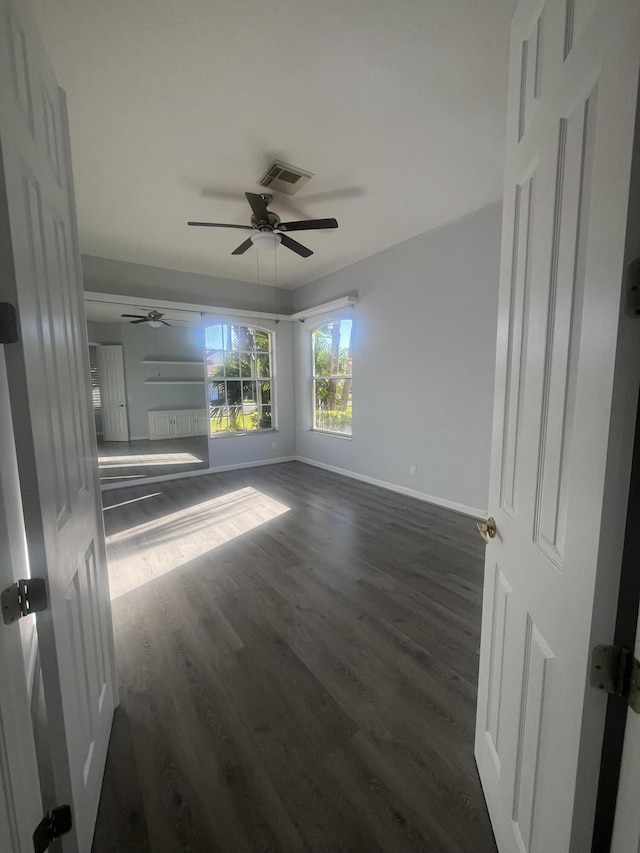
403 490
474 512
108 487
257 464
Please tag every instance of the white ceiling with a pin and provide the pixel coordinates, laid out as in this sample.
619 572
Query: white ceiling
178 106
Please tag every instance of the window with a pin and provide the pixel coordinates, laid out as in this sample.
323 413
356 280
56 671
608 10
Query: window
95 379
332 377
95 388
239 378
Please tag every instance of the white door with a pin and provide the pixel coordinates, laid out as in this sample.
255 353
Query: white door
566 390
49 388
20 803
115 423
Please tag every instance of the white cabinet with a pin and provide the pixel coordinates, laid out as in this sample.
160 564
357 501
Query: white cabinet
202 422
160 424
177 423
184 423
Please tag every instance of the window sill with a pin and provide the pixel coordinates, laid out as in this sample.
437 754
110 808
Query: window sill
332 434
239 433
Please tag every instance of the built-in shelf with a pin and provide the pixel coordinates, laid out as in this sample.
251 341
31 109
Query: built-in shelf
171 361
161 381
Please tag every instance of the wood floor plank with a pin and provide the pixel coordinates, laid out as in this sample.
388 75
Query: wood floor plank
297 662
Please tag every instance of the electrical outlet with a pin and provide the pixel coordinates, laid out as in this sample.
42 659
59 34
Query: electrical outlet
274 444
412 470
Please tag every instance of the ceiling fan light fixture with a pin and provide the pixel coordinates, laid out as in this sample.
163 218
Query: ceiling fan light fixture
155 324
265 240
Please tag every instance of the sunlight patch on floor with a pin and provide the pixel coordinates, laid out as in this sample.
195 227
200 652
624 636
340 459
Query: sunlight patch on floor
147 459
132 501
149 550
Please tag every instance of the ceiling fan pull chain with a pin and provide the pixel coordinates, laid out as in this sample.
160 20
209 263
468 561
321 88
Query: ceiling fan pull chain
275 269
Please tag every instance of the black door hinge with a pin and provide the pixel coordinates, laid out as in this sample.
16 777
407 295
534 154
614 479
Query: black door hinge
26 596
55 823
615 670
8 323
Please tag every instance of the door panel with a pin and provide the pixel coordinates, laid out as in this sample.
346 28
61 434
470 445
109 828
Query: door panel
115 423
559 386
49 389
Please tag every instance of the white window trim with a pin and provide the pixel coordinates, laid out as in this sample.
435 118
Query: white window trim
318 325
264 326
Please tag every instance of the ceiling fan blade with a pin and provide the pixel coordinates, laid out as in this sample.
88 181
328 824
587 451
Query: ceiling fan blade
137 316
242 248
164 323
258 207
144 320
219 225
296 247
307 225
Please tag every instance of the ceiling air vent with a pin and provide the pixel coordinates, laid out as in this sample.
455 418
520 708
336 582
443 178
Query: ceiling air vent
284 178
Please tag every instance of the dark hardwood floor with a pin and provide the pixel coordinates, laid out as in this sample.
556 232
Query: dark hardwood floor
120 461
297 656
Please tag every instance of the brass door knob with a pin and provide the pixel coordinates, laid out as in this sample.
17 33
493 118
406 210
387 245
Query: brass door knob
487 529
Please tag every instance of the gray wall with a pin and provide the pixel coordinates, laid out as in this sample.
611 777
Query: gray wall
104 333
140 342
122 278
423 362
424 359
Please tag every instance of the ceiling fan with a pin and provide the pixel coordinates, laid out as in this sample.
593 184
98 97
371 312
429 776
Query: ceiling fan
268 230
154 318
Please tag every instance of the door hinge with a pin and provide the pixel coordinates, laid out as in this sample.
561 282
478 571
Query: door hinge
632 307
615 670
55 823
28 595
8 323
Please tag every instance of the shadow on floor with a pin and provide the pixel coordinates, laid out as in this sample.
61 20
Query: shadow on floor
121 824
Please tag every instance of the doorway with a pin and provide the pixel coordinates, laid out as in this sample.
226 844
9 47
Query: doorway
147 386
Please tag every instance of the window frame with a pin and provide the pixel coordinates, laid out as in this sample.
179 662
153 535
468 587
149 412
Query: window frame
314 377
250 323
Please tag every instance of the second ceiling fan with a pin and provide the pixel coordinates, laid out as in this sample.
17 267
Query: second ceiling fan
265 222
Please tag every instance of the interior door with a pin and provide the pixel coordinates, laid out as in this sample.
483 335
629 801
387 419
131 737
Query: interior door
49 389
566 386
115 423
